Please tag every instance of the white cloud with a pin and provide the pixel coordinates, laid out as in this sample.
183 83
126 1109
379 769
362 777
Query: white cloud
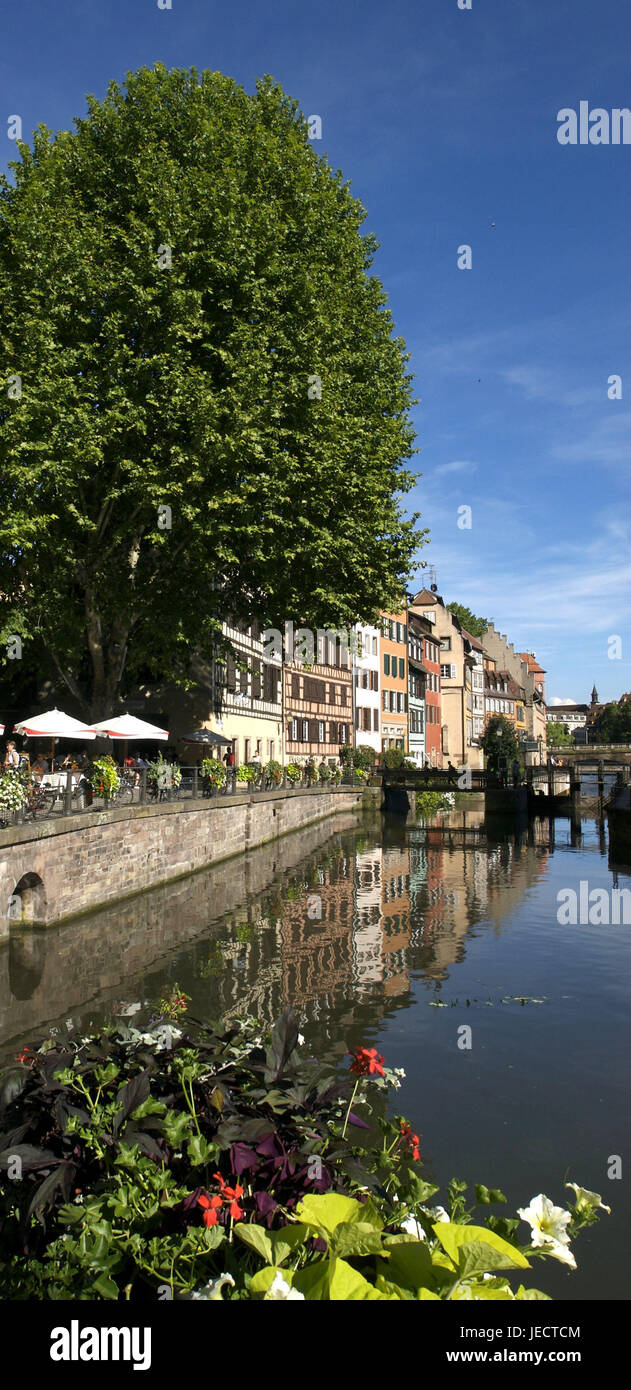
556 701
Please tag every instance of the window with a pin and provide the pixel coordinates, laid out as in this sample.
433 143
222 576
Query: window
448 672
399 702
367 721
295 687
358 719
399 633
402 668
392 701
386 664
247 750
384 699
445 644
321 732
305 731
374 648
293 731
391 629
375 721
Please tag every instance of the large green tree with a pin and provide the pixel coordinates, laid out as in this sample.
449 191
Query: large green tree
205 409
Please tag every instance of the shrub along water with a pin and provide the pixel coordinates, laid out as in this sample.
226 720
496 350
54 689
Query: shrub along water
225 1164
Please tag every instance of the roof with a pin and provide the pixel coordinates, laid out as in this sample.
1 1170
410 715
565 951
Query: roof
475 641
531 663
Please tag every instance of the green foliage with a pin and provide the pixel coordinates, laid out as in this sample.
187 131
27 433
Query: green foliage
613 725
362 756
175 274
468 620
429 803
214 772
245 772
499 742
147 1158
273 773
394 758
164 774
105 779
294 772
558 733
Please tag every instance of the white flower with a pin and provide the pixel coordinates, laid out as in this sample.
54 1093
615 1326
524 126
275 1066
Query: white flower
210 1291
560 1252
398 1071
436 1213
547 1221
413 1228
586 1199
280 1291
301 1041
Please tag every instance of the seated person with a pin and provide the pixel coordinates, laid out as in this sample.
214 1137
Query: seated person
39 768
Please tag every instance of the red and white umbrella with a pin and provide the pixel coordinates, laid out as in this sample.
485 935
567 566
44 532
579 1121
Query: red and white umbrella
54 724
126 726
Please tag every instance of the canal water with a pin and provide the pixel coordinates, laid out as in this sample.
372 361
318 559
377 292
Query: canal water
396 936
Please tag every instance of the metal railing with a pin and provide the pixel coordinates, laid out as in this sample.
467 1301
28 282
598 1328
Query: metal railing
74 795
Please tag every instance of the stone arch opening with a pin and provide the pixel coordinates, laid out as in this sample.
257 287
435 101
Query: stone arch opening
28 902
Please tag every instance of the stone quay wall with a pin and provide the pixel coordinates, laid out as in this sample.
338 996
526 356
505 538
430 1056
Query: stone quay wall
62 868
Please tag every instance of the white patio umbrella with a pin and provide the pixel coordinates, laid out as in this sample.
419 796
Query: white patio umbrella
126 726
53 725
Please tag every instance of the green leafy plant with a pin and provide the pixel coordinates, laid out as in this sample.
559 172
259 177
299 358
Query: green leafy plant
294 772
324 772
273 773
105 780
245 773
394 758
227 1162
214 772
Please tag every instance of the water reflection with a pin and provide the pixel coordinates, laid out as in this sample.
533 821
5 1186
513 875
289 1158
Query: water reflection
324 920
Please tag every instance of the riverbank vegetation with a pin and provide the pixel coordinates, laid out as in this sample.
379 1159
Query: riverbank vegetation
137 1165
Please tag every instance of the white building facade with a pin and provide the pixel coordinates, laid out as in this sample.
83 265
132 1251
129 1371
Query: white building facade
366 667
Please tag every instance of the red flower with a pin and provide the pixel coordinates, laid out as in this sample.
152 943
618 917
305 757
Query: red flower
231 1195
26 1057
211 1206
366 1061
412 1140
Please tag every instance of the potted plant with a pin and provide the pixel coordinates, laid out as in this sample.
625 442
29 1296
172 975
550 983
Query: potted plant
105 779
294 773
245 773
213 775
311 773
13 793
273 773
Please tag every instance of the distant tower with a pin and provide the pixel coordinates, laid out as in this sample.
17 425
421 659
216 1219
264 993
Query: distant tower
594 696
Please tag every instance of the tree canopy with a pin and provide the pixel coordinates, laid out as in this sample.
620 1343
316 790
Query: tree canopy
558 732
499 742
205 410
613 724
468 620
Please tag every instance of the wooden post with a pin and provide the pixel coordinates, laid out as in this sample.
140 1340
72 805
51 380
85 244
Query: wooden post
601 779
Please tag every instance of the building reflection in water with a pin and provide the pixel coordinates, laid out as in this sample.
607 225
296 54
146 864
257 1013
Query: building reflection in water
335 924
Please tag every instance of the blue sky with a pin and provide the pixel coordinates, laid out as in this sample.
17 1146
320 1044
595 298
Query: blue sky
445 122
